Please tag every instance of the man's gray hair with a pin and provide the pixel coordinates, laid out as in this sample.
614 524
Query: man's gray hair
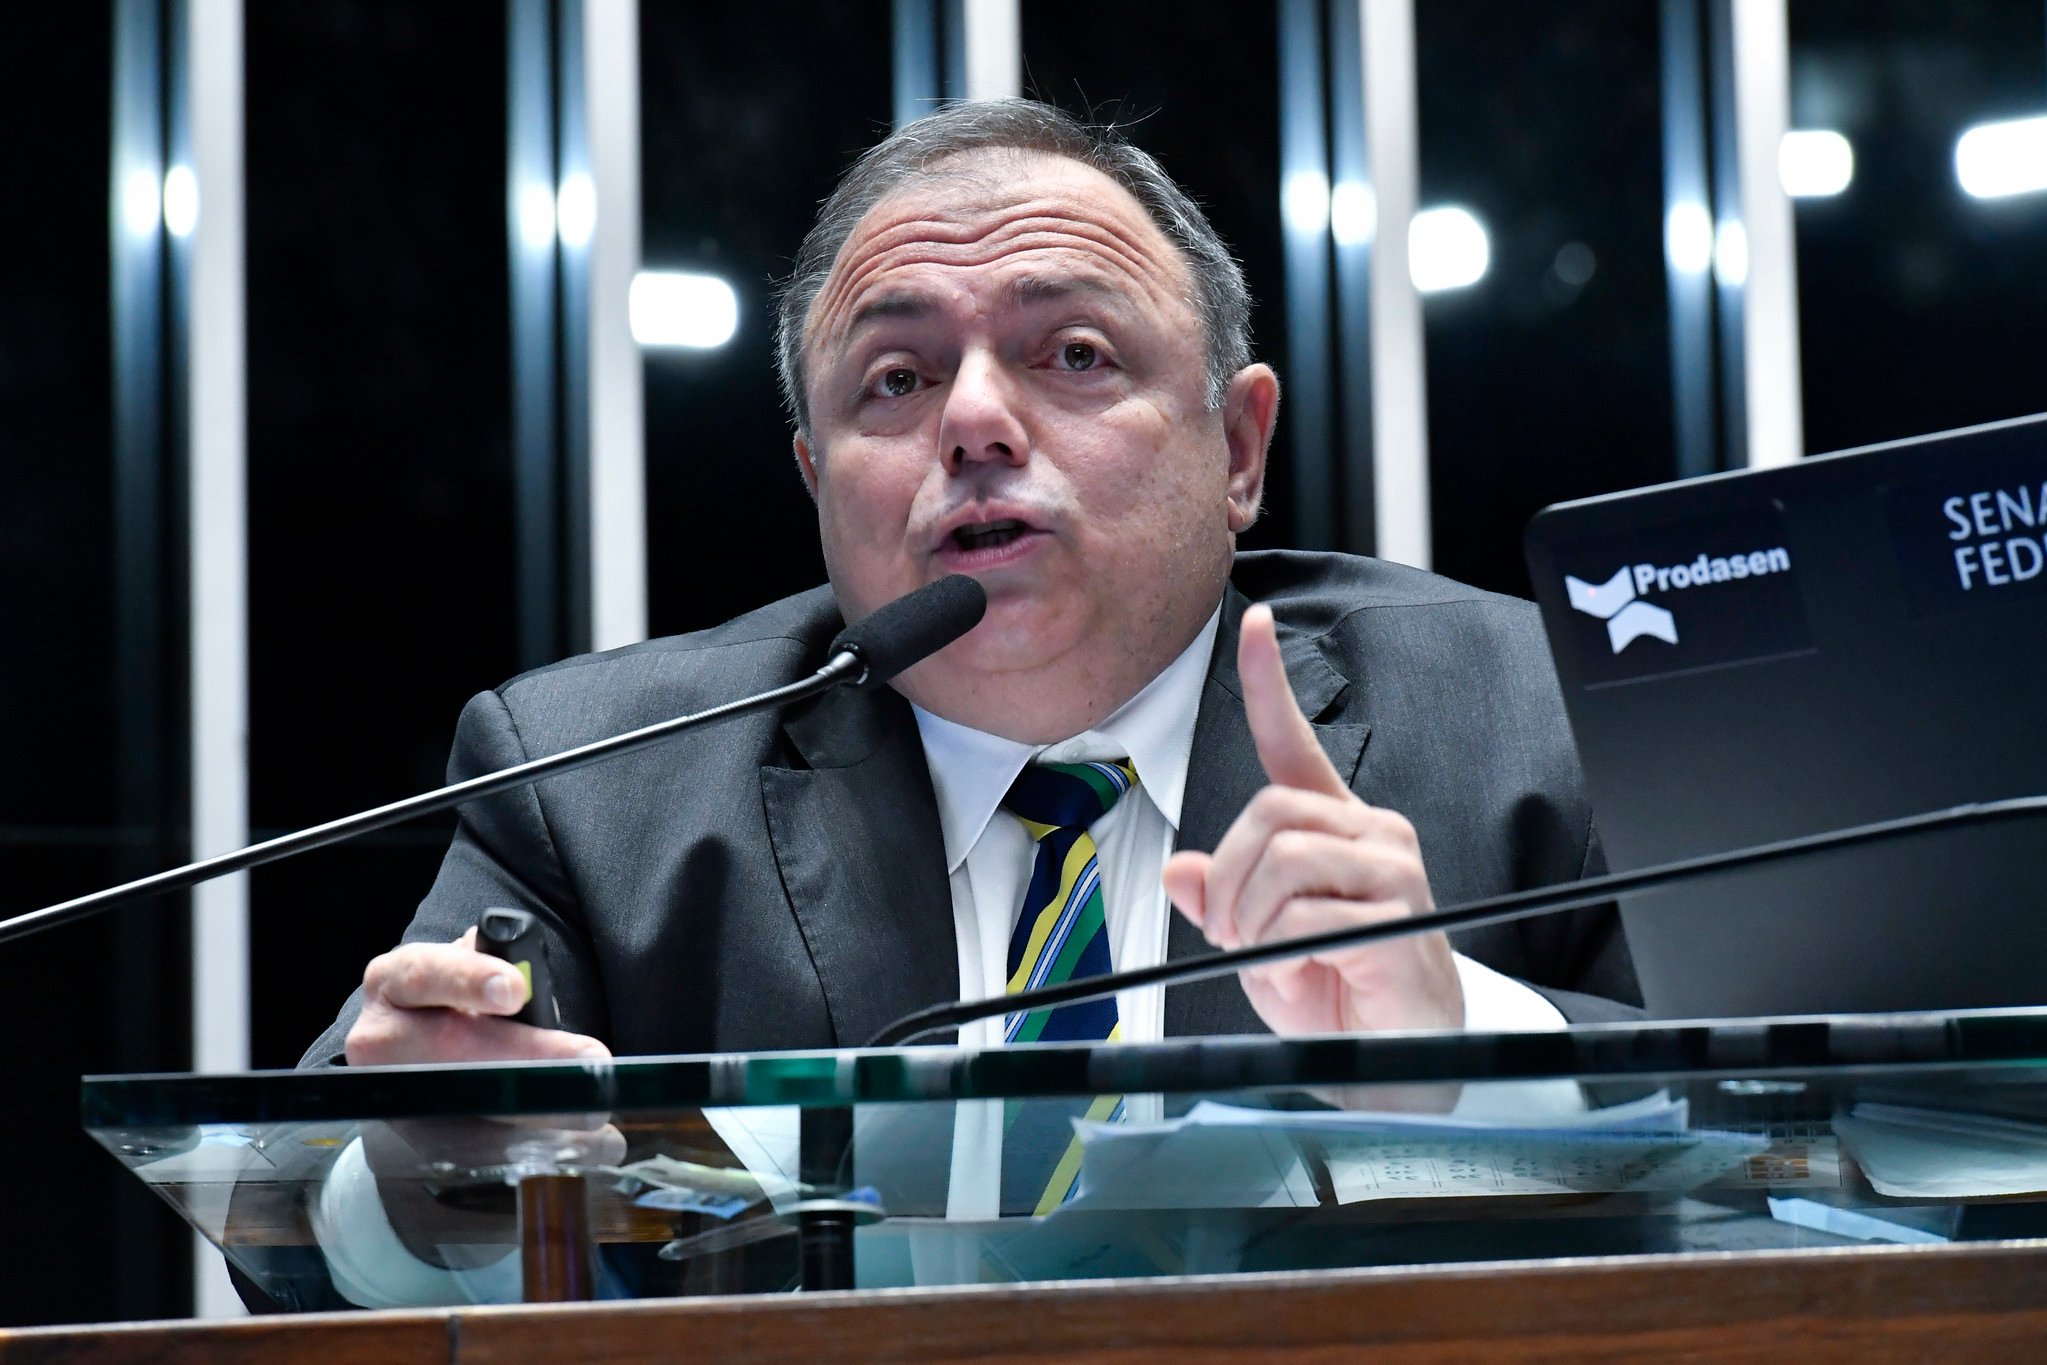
1220 298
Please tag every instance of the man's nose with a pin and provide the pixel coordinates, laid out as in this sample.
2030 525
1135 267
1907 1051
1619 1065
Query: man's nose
980 423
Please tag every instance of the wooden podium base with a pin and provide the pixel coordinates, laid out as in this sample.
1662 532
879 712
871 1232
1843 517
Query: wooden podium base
1986 1301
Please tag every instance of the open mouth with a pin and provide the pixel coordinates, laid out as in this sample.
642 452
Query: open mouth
987 535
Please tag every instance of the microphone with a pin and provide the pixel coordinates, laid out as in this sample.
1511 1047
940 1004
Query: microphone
1542 900
892 638
912 628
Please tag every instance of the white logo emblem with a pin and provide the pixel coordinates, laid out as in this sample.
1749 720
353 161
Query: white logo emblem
1614 602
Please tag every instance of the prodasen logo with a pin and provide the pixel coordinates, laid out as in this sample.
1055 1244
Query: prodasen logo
1637 579
1618 602
1614 602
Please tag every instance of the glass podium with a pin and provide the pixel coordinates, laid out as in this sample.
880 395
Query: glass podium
397 1186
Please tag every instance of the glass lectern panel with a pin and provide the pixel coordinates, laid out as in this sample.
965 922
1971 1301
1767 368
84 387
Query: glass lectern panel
405 1185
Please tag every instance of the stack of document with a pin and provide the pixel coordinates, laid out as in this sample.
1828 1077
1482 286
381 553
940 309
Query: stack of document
1912 1153
1226 1156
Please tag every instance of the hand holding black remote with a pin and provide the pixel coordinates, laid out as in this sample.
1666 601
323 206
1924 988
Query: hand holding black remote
514 936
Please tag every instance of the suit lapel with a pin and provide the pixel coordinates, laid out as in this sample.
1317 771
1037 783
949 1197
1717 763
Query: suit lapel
1223 774
857 841
856 837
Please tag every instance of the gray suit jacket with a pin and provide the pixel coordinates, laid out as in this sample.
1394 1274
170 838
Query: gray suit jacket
779 881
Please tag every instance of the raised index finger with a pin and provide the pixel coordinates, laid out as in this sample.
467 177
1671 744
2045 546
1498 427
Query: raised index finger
1287 747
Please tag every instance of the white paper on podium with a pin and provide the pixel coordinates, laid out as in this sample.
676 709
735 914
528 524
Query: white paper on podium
1913 1153
1227 1156
1185 1163
1657 1113
1397 1167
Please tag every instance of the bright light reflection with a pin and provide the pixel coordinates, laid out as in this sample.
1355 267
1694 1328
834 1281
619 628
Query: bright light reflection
678 308
1815 163
139 202
1730 253
576 210
1353 213
1993 160
180 201
1304 200
1688 239
536 217
1447 248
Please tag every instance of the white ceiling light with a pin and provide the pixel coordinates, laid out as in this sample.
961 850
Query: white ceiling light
1993 160
139 202
1447 248
1730 253
536 216
1688 239
1815 163
576 211
678 308
1353 213
180 201
1304 199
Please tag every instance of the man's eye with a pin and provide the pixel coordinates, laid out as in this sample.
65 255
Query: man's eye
897 383
1078 355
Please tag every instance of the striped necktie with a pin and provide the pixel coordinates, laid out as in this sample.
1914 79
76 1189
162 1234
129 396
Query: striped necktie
1061 935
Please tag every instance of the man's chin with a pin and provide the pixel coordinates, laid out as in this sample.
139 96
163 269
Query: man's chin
1015 642
1022 633
991 663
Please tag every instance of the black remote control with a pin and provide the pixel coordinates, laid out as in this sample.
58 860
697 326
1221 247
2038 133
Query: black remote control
514 936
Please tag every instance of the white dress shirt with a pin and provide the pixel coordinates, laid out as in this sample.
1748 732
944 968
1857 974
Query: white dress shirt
989 853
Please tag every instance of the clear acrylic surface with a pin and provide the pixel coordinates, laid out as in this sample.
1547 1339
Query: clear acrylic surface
396 1186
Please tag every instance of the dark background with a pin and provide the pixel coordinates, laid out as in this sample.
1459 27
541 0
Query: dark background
738 145
1921 307
107 995
1543 120
381 549
380 500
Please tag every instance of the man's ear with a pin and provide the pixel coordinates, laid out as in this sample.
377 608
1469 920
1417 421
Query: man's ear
805 464
1250 408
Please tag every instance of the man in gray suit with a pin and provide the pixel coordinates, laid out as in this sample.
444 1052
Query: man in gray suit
1015 349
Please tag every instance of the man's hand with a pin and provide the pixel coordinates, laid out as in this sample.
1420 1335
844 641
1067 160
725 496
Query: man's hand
444 1002
1308 856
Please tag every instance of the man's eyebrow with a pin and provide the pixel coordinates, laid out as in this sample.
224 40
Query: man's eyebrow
1023 292
889 306
1027 290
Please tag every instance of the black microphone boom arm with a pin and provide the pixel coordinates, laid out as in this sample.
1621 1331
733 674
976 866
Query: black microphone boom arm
866 654
1515 905
844 666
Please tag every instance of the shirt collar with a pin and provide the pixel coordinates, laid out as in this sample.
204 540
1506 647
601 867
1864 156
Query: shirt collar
971 770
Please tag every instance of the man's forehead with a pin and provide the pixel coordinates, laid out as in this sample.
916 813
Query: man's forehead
979 208
988 179
1019 291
